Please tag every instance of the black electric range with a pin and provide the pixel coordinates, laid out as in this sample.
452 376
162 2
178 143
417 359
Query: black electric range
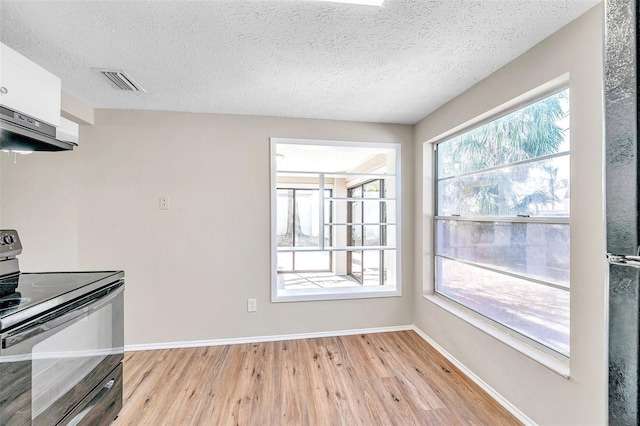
27 295
61 343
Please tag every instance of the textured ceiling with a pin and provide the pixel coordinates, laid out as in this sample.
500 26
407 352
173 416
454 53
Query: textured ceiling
288 58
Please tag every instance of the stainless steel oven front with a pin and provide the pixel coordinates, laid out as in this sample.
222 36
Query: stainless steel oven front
64 366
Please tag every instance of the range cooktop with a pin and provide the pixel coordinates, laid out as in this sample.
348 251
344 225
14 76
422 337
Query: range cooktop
24 295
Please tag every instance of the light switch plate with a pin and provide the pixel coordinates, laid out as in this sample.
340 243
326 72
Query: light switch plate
252 305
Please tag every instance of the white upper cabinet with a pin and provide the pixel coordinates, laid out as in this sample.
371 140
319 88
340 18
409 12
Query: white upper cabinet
28 88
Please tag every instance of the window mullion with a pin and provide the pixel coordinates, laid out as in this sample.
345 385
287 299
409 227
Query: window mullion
362 234
509 219
321 215
293 234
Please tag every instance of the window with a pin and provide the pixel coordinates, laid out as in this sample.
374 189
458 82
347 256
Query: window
502 221
335 210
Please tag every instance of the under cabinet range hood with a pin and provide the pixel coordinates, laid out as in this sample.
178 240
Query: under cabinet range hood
30 99
20 132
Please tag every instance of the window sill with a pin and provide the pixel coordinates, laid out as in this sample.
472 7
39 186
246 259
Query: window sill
302 295
553 363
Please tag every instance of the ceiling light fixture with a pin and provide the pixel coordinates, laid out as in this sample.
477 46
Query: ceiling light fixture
377 3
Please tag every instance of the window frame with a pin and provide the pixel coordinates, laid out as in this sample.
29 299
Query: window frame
542 353
339 293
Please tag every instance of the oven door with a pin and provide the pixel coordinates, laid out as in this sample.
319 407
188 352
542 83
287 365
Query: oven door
53 362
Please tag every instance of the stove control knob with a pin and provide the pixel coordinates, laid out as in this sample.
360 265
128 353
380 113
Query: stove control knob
8 240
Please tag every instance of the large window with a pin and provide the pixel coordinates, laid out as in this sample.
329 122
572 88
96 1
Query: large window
335 209
502 221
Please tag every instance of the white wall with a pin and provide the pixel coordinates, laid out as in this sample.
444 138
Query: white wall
543 395
189 270
40 200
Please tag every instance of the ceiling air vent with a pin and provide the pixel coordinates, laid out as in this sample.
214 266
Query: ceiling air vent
121 80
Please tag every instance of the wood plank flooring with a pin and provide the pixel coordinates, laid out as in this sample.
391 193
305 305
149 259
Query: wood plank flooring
373 379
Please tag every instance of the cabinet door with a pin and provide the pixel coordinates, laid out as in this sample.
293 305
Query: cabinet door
30 88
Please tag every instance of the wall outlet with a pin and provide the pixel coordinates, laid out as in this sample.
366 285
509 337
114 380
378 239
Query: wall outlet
164 203
252 305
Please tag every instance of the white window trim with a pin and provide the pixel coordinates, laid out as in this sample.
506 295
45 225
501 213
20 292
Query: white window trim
545 356
340 293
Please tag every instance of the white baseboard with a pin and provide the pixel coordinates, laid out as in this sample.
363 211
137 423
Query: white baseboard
477 380
259 339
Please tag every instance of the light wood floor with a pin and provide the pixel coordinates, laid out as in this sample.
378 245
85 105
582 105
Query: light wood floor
373 379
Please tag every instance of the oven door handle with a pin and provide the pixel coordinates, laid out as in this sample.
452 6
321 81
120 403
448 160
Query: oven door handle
94 401
58 318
